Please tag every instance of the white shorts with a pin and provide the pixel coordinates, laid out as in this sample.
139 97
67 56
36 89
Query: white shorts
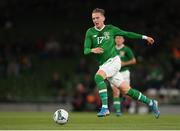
126 76
111 67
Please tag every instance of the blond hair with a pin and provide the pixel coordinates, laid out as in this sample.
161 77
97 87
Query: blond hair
98 10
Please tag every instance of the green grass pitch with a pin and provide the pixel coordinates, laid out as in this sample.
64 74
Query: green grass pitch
87 121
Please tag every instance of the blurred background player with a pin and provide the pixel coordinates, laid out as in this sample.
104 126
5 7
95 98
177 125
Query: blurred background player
127 59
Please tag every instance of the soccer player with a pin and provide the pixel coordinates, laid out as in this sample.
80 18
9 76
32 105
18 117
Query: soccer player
127 59
99 40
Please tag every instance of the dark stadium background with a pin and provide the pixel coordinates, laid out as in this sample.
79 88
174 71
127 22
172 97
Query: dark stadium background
42 66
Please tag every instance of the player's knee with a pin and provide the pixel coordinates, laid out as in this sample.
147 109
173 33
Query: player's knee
124 87
116 92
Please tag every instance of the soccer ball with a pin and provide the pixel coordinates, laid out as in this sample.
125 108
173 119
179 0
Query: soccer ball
61 116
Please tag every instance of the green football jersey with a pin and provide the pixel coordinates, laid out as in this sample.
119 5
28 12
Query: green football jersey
104 38
126 54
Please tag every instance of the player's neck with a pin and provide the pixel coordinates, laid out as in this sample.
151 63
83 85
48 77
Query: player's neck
100 28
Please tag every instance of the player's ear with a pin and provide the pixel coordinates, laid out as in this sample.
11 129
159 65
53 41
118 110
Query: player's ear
103 17
123 39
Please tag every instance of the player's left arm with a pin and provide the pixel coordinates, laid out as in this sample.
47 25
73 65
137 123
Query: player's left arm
133 35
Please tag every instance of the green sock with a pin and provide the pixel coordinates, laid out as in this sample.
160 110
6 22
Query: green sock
139 96
117 103
101 85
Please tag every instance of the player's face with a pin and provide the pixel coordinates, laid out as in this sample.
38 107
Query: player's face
98 20
119 40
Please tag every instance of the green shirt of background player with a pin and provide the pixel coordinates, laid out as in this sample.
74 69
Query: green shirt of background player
99 40
127 60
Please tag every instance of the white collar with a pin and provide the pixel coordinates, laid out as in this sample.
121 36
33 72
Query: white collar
119 47
99 29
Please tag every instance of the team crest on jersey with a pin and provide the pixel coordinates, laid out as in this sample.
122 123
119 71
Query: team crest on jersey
106 35
121 53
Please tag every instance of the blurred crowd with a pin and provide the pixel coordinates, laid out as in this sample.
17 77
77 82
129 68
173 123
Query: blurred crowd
36 32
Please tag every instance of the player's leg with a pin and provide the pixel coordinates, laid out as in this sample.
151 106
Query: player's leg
137 95
117 100
108 69
127 90
102 89
126 76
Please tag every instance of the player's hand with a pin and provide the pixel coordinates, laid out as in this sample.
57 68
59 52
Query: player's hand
97 50
150 40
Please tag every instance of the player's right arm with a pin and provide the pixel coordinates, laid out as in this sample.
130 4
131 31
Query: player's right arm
88 44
